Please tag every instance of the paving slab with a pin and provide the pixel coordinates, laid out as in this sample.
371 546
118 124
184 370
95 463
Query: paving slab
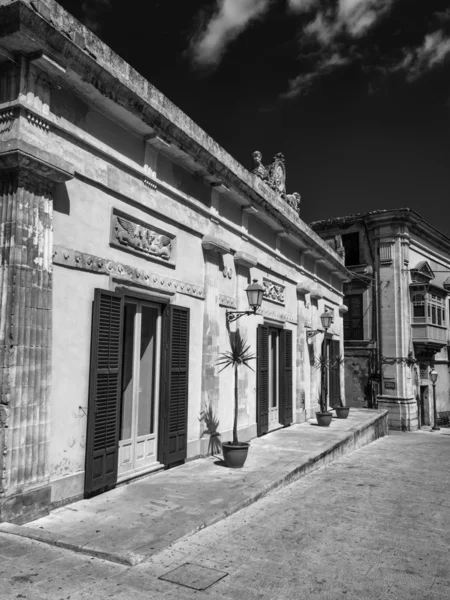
133 522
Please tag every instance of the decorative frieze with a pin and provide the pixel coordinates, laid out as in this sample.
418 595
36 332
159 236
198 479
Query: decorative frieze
87 262
137 237
227 301
37 121
150 184
7 118
274 292
270 313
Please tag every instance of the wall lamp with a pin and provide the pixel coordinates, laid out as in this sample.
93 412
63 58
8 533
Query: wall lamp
326 319
255 292
433 379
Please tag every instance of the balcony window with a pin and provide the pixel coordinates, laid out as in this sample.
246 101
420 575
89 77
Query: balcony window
418 306
428 308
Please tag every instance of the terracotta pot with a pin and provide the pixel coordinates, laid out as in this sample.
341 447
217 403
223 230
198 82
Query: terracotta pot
324 419
235 455
342 412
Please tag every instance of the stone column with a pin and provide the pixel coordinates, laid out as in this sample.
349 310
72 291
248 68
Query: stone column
213 249
26 186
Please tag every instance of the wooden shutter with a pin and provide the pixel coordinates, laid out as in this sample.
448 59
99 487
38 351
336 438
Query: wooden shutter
353 318
286 381
102 445
175 375
335 375
262 383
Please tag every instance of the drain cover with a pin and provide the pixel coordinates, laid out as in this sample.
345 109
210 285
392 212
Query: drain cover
194 576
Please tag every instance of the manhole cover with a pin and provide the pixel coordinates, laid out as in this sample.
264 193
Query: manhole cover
194 576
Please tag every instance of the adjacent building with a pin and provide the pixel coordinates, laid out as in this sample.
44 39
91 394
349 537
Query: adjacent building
397 325
126 235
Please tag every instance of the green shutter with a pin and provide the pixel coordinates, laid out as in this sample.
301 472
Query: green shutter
286 383
262 384
175 375
102 444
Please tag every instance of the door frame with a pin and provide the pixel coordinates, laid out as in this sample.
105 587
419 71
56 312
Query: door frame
139 302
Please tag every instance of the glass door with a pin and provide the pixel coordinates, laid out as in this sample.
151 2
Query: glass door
140 387
274 383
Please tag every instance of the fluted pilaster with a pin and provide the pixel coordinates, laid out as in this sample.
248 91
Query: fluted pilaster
26 219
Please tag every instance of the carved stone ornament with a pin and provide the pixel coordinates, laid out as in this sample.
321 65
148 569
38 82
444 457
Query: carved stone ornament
135 236
275 176
273 291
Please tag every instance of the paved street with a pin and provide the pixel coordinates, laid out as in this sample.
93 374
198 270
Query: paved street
374 524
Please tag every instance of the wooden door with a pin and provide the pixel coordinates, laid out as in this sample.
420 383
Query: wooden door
104 392
286 379
262 382
174 385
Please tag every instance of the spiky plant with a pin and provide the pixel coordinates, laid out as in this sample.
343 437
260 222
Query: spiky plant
239 354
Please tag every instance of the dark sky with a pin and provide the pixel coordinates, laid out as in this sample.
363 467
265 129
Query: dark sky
355 93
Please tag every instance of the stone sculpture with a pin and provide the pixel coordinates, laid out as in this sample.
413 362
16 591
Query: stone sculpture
275 177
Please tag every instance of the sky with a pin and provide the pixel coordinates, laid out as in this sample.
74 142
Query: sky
354 93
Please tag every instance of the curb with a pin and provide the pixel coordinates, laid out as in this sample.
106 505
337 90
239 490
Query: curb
372 430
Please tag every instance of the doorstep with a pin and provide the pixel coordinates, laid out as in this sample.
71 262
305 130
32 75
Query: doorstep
135 521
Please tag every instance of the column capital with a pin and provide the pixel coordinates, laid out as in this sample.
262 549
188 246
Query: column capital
38 165
214 244
244 259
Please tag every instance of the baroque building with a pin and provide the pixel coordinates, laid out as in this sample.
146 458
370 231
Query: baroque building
126 235
397 325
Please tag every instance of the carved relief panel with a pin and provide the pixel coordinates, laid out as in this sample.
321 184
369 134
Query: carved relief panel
274 292
128 233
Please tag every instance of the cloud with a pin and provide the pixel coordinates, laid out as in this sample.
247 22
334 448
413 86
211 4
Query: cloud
93 12
229 20
351 18
434 50
301 84
302 5
322 29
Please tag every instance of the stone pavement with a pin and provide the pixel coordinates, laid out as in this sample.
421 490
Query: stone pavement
374 525
133 522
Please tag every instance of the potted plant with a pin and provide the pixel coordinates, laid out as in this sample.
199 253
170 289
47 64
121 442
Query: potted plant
342 411
324 416
235 452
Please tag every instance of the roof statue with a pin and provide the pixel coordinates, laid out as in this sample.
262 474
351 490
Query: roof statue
275 176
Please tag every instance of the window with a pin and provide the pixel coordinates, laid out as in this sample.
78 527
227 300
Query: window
353 318
350 241
418 305
428 308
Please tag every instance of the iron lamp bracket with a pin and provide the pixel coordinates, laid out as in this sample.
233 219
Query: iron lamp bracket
234 315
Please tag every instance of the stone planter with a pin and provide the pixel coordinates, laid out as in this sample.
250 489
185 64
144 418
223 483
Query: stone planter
324 419
342 412
235 455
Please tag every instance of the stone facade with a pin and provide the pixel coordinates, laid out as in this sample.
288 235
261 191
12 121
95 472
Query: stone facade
109 191
397 327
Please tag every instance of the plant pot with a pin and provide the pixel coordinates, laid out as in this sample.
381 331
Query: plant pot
324 419
235 455
342 411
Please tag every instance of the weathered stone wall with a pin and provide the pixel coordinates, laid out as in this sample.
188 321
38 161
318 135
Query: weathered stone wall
105 201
